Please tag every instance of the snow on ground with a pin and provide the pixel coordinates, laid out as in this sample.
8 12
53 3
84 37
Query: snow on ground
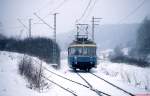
108 71
134 75
129 74
12 84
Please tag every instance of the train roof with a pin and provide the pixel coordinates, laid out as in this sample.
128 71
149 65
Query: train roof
78 42
83 42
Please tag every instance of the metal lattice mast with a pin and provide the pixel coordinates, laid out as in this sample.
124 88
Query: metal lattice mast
93 25
30 26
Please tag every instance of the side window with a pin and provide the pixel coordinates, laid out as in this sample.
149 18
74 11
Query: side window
85 51
78 51
94 51
91 51
73 51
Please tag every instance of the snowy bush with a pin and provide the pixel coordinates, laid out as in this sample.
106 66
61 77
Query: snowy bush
32 73
119 56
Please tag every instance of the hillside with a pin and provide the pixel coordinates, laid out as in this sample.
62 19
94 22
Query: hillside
39 47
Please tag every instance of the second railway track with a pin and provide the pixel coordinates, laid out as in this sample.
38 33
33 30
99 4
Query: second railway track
84 77
112 84
100 93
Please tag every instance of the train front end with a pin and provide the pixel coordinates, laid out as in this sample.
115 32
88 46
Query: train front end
82 56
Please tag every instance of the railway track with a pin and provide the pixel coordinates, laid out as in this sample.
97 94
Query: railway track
85 80
112 84
65 77
99 93
59 85
89 85
66 89
104 81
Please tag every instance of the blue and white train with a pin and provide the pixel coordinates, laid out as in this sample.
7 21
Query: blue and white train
82 53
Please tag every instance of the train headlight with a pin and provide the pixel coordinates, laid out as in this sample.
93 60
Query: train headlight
76 62
75 57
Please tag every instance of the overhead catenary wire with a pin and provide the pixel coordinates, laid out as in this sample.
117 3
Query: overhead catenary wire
43 21
57 7
84 12
134 11
29 27
60 5
38 9
91 9
22 24
47 4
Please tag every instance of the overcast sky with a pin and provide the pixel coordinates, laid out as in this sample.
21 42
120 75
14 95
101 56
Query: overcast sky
112 12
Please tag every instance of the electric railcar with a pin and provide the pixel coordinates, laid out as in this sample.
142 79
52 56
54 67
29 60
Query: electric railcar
82 54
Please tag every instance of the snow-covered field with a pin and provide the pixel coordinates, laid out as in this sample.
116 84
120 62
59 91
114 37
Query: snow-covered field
136 76
132 79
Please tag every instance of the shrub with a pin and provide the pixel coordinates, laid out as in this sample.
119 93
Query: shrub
39 47
32 73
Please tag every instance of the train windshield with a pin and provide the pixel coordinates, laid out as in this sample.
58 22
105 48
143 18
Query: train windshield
90 51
